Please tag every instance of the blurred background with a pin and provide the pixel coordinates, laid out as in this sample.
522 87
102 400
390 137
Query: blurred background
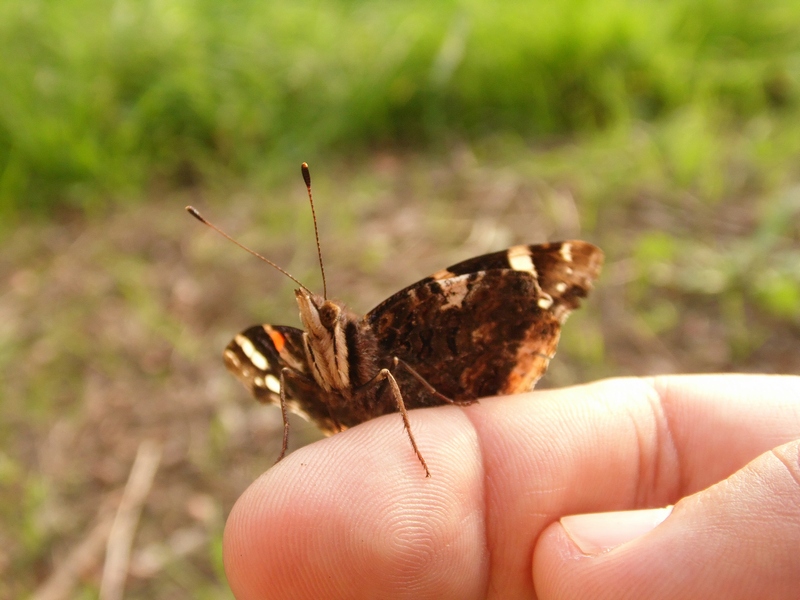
667 132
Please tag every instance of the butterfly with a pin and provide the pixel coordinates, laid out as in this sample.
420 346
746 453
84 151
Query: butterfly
486 326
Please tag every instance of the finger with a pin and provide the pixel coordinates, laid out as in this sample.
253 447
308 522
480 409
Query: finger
736 539
721 422
616 445
355 517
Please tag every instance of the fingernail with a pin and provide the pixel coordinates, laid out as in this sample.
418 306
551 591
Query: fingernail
596 533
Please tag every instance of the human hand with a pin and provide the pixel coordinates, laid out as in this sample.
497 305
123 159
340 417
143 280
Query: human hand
353 516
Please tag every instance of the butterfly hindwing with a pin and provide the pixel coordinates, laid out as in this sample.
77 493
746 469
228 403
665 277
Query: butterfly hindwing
488 325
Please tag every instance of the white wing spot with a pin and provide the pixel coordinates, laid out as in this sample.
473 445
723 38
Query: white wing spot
455 291
231 357
273 384
258 381
561 287
258 359
519 257
545 302
566 251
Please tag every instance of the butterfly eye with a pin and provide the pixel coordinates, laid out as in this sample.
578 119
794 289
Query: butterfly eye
329 314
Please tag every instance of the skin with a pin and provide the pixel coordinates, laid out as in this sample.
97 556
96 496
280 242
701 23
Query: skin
353 516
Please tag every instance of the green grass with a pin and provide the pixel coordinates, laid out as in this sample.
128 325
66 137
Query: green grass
99 100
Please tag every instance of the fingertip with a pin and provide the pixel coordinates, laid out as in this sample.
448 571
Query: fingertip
595 533
355 516
732 540
600 555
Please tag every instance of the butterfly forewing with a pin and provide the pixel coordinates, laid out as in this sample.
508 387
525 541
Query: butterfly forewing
258 355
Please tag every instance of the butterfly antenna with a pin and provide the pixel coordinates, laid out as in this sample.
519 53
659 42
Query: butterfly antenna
193 211
307 179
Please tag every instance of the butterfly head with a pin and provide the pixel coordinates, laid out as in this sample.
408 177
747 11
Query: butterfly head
324 324
319 316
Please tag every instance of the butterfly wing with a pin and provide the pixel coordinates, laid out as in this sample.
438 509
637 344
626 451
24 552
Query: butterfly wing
488 325
258 355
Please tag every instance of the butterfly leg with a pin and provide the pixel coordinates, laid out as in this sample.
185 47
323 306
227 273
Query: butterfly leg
284 414
291 374
386 375
428 387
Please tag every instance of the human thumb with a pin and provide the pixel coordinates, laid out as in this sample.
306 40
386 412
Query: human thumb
736 539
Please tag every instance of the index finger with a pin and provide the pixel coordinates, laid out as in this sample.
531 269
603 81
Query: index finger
353 516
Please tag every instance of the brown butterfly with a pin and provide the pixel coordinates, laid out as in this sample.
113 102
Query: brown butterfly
483 327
